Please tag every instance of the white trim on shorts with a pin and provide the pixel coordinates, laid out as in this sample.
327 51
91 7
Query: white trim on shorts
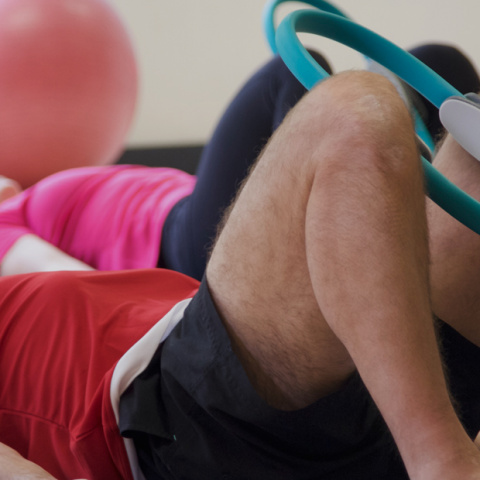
134 361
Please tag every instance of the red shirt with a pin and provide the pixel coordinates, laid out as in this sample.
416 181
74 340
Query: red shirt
61 336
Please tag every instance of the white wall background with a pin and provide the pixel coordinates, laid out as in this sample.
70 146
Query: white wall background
193 55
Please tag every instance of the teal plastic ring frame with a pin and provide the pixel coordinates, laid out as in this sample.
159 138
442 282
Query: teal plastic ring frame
270 33
420 77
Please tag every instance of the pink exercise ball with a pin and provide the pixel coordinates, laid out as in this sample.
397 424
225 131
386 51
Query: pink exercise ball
68 86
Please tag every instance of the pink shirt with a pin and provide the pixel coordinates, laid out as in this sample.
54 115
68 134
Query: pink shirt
109 217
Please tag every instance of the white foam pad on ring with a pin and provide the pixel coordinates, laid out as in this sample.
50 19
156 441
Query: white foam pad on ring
461 117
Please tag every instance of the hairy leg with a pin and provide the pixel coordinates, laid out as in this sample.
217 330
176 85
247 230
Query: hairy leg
455 275
455 249
322 267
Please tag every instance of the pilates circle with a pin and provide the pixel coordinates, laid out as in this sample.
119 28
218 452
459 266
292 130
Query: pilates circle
269 14
323 5
423 79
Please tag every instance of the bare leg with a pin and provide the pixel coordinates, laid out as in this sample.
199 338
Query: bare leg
8 188
322 268
455 249
455 272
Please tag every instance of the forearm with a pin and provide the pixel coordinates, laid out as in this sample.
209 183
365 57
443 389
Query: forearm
32 254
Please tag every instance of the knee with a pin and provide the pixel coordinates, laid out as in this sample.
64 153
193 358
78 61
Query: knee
360 104
360 118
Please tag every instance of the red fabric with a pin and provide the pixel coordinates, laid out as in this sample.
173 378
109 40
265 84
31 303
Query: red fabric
61 335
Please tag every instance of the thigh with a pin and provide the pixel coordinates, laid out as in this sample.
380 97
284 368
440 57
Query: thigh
455 249
258 272
326 181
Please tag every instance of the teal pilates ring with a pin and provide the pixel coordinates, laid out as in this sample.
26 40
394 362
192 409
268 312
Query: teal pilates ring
322 5
420 77
269 16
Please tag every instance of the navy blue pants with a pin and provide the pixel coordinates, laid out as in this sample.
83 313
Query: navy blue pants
247 124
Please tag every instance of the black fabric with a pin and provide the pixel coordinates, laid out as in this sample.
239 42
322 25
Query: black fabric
194 415
462 362
452 65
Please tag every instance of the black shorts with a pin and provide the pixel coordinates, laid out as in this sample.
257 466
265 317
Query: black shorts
193 414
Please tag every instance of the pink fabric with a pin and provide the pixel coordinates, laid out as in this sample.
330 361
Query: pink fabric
109 217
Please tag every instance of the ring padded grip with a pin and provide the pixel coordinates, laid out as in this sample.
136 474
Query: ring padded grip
461 117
